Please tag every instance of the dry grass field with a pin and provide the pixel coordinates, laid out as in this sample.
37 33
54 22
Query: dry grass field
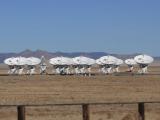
49 89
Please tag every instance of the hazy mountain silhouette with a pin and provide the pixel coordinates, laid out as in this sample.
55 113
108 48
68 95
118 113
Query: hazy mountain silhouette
48 55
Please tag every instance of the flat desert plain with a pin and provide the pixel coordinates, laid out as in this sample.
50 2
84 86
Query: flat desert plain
54 97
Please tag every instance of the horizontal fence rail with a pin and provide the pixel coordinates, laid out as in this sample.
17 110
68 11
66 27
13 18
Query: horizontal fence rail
61 92
85 110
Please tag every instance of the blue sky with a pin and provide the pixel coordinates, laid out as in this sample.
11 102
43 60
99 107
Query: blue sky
114 26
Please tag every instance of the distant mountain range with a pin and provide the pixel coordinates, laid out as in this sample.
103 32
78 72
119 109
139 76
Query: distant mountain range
48 55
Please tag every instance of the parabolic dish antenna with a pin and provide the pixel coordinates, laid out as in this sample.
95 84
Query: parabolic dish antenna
98 61
61 61
83 60
54 61
119 62
20 61
9 61
43 59
91 61
143 59
80 60
67 61
33 61
108 60
130 62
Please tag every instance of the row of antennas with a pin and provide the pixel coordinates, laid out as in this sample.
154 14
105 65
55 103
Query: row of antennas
78 65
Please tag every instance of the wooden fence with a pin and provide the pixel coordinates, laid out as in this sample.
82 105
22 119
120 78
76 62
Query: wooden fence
85 93
85 110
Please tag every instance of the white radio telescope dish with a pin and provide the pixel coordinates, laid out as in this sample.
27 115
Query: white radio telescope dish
16 65
61 65
9 61
116 65
55 61
106 64
110 60
130 62
119 62
66 61
32 61
83 65
61 61
143 59
98 61
81 60
20 61
31 64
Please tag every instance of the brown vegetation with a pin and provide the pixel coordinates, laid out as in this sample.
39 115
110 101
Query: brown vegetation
51 89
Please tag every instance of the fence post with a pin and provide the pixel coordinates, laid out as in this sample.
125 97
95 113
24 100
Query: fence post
85 109
21 112
141 110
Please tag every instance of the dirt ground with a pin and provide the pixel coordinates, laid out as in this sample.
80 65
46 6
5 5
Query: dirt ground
74 112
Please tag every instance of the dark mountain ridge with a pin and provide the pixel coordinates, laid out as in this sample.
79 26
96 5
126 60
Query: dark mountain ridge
48 55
